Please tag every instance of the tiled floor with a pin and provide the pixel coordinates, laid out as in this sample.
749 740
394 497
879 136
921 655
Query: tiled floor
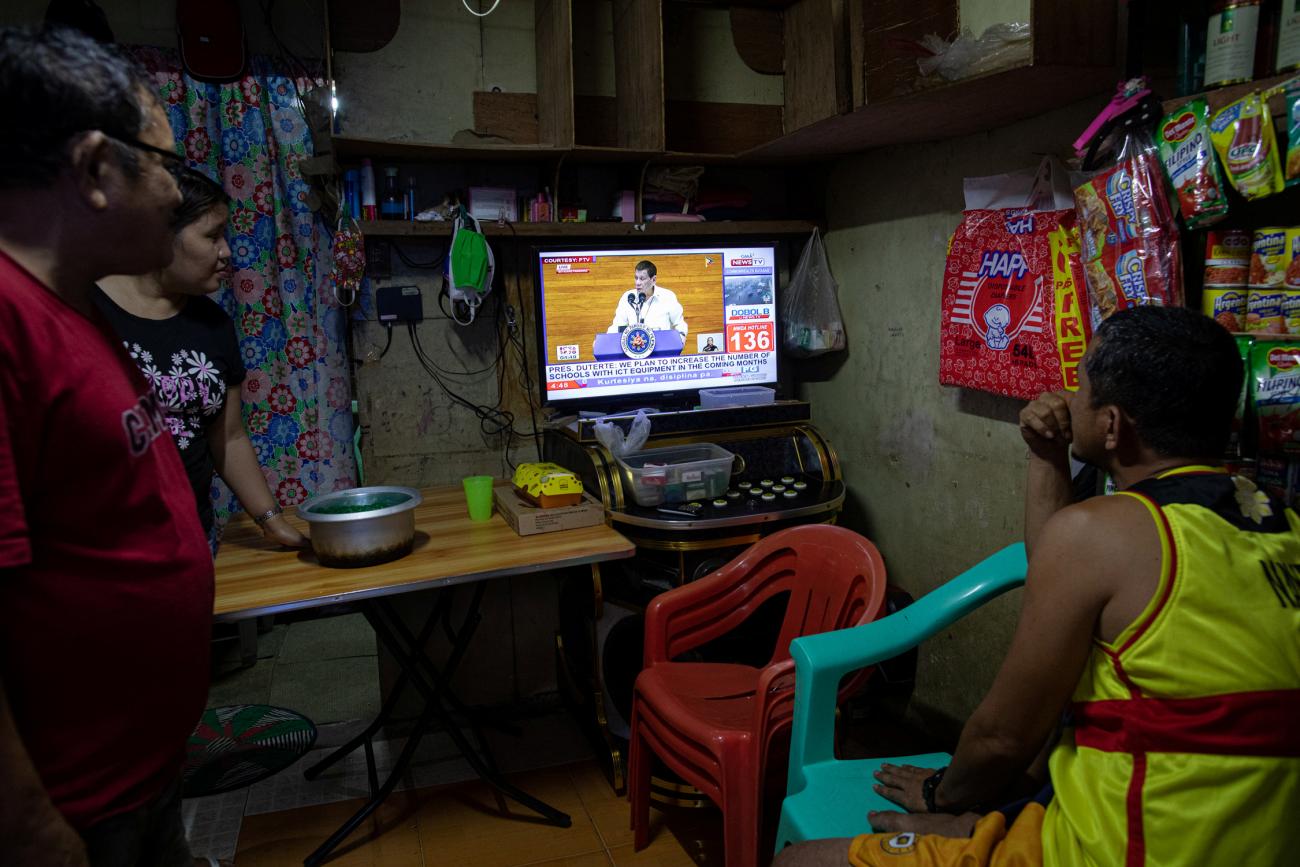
463 824
327 670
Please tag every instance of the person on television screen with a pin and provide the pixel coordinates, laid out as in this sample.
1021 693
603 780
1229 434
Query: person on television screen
710 346
655 307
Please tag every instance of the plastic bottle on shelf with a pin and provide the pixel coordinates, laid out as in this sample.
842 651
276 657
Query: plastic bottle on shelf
391 207
368 209
408 200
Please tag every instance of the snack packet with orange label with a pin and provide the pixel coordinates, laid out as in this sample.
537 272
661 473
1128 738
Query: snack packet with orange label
1188 155
1242 133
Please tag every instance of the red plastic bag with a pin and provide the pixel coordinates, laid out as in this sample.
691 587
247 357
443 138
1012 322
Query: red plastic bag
1014 321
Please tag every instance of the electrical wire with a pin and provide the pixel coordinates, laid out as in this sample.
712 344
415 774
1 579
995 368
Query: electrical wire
465 3
494 421
408 262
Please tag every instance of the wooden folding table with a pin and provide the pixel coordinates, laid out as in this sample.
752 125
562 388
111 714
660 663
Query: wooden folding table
255 578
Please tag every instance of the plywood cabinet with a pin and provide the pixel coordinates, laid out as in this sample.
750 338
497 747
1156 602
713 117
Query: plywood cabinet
1073 53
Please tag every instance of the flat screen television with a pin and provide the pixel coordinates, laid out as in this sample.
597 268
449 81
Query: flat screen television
616 325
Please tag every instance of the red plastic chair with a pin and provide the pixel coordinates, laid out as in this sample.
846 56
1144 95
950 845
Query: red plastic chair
714 723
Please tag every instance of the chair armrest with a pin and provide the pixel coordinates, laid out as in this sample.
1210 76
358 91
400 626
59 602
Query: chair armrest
821 661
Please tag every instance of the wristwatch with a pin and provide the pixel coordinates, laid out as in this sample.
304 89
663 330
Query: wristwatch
929 787
260 520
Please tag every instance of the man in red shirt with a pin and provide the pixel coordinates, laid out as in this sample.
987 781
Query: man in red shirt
105 576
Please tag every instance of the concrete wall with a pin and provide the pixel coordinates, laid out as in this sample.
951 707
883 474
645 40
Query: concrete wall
935 474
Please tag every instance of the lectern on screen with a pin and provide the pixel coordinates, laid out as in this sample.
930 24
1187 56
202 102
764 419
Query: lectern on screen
625 323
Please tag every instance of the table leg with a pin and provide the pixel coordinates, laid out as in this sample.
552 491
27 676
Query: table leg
390 704
417 670
433 684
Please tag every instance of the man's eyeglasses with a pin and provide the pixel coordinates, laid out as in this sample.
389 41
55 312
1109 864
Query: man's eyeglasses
172 162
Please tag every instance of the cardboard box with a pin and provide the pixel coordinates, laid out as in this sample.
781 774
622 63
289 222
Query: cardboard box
527 520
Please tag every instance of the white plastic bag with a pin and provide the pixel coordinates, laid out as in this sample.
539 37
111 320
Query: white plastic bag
611 436
1001 46
811 310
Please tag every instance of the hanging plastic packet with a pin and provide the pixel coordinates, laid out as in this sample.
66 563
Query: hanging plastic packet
1242 132
1237 440
1128 236
1275 371
1188 155
1292 97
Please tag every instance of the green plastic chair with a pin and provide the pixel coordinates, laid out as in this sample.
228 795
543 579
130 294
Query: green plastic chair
827 797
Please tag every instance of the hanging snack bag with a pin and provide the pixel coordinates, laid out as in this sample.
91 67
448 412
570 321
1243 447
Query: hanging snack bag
1242 133
1275 374
1129 241
1188 155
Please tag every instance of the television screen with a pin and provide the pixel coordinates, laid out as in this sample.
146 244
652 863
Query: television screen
622 323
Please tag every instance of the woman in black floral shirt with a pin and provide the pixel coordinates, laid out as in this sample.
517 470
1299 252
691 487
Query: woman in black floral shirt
186 347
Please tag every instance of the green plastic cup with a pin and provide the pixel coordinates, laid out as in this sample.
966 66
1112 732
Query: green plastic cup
478 496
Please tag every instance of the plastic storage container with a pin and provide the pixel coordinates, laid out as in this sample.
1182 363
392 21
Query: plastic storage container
737 395
677 474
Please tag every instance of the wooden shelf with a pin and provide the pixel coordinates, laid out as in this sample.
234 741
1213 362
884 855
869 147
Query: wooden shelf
959 108
351 149
1221 96
722 228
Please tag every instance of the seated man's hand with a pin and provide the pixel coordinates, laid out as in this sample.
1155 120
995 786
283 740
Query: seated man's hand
1045 425
902 785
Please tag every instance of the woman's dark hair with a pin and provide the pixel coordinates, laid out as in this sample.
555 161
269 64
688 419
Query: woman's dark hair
199 194
55 83
1175 372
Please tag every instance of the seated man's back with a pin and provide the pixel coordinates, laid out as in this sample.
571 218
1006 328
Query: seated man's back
1183 748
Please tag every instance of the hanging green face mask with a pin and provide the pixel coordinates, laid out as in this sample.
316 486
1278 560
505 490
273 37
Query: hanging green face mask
469 261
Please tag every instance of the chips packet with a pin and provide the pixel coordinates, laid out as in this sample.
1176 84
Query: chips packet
1275 382
1188 156
1242 133
1128 237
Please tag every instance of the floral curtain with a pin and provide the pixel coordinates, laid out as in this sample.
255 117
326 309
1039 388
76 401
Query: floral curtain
250 136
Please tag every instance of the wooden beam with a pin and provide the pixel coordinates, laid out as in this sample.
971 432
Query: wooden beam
554 35
639 73
817 83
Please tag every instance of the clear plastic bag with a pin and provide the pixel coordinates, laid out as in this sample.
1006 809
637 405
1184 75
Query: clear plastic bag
1002 46
611 436
811 310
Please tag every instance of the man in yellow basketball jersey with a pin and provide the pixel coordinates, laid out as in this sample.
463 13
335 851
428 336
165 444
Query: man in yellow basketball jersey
1164 619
